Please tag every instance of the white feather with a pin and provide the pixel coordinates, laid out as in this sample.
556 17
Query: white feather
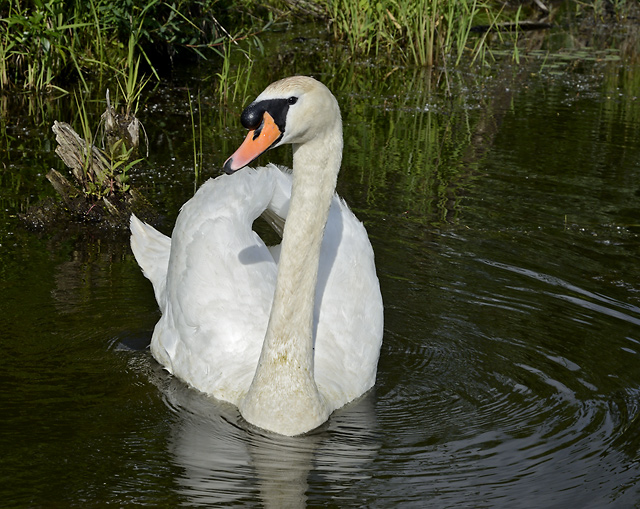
215 279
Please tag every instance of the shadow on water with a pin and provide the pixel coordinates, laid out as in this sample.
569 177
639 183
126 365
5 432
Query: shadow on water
503 209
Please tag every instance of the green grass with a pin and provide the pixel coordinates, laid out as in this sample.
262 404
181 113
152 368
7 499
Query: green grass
421 32
233 81
51 44
48 45
439 32
196 140
36 42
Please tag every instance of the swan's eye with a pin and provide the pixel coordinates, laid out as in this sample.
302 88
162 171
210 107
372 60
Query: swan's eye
292 100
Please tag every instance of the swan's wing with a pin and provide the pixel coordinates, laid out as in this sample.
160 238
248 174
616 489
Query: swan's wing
151 250
349 309
219 285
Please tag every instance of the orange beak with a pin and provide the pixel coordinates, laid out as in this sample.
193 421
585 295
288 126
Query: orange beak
257 142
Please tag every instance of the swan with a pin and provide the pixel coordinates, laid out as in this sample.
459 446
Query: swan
290 333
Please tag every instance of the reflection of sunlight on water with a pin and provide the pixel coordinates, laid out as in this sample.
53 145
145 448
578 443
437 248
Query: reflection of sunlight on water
226 460
508 389
588 300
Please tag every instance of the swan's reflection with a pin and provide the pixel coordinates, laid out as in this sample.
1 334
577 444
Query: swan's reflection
225 460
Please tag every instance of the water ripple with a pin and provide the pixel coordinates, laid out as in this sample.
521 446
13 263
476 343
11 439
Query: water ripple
460 413
590 300
504 419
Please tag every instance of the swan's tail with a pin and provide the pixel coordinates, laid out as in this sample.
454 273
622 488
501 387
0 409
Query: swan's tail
151 249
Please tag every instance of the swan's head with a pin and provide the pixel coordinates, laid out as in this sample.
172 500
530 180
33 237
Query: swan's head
294 110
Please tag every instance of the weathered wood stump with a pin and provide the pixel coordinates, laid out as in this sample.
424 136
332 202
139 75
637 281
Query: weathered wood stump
101 193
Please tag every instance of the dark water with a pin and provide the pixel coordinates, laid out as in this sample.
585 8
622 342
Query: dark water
504 210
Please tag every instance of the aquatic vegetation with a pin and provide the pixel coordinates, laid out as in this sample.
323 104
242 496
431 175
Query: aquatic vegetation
428 32
100 190
132 83
196 140
99 172
233 81
46 44
422 32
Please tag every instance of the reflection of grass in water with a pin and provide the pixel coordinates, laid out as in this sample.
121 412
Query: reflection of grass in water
595 50
622 84
412 155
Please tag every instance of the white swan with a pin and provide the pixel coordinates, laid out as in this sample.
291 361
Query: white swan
287 334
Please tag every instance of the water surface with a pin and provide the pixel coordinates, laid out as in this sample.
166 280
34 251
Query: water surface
503 208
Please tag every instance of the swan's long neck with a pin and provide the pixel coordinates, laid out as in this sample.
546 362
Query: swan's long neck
283 396
291 321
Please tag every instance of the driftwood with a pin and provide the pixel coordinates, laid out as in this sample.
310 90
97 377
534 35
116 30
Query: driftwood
100 193
81 158
123 127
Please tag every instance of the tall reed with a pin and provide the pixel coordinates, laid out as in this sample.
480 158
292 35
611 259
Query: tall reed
37 42
197 141
234 80
422 32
